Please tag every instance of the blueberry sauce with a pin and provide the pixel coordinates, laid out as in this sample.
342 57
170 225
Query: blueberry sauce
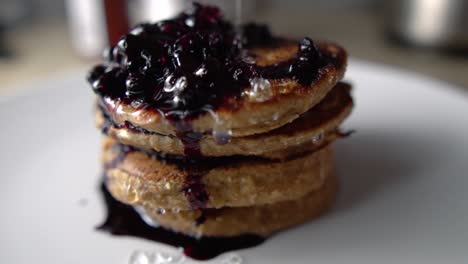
190 138
192 63
195 191
123 220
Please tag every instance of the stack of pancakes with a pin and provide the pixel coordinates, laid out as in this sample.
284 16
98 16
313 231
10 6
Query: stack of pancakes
260 166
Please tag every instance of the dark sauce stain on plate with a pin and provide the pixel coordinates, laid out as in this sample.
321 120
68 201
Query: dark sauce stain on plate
123 220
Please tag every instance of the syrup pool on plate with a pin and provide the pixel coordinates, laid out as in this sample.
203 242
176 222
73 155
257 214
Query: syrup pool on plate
124 220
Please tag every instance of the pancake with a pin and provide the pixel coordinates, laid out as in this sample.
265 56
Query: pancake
319 122
219 130
143 179
243 116
263 220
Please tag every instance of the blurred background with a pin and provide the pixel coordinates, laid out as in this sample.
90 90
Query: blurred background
47 38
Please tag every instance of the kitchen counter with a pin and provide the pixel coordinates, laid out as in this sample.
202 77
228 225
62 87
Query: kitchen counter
43 50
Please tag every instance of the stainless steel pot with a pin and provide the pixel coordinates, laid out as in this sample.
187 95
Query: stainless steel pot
432 23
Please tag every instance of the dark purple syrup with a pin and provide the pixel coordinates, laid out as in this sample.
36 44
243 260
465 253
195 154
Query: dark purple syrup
190 139
195 191
123 220
183 66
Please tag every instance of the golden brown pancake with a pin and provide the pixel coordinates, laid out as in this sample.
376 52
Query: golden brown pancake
318 123
261 220
217 130
141 179
245 116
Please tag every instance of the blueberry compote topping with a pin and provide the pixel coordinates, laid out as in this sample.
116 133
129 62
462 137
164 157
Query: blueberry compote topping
184 66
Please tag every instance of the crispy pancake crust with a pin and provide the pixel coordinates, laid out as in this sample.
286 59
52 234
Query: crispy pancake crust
323 119
241 115
140 179
262 220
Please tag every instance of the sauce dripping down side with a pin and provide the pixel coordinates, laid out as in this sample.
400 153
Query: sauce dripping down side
194 188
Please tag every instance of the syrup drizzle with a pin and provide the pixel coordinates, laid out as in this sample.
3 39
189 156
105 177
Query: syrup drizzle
194 188
123 220
190 138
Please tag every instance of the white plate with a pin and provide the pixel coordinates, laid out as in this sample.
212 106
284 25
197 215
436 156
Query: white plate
403 196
